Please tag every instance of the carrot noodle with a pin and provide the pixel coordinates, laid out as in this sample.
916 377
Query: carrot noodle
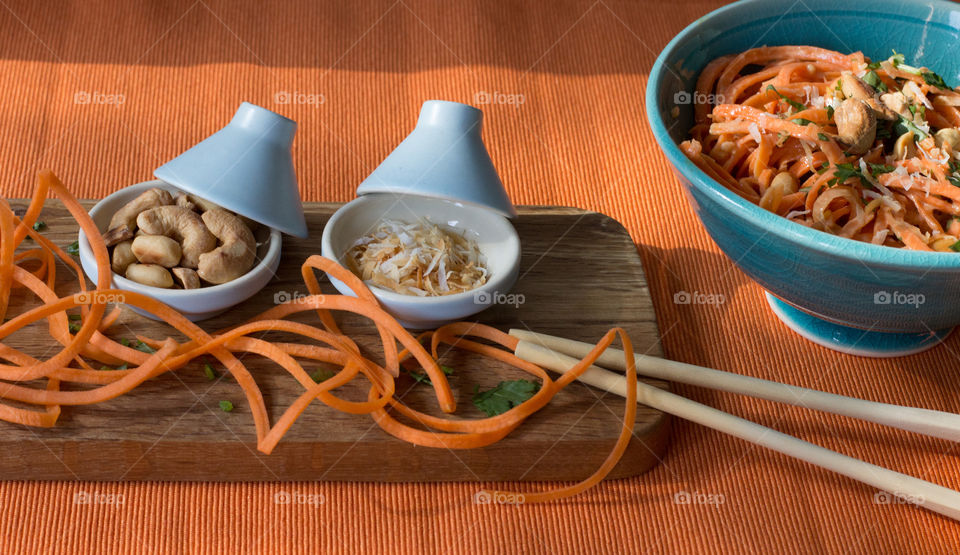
35 383
771 110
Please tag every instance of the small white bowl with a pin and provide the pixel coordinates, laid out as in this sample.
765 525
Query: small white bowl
195 304
494 234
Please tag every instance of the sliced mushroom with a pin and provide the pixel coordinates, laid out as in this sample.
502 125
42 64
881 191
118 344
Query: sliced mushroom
856 125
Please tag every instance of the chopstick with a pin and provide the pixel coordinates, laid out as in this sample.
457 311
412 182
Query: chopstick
914 490
925 421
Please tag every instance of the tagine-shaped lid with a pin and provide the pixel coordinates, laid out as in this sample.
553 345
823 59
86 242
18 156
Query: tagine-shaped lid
245 167
443 157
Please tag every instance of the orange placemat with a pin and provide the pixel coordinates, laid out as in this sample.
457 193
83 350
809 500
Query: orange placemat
104 92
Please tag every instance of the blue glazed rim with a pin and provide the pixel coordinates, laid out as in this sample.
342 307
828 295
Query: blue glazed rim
853 341
793 232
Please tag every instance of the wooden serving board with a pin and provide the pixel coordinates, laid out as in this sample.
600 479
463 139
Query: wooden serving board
580 275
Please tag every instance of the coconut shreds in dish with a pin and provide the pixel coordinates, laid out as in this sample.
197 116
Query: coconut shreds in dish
421 259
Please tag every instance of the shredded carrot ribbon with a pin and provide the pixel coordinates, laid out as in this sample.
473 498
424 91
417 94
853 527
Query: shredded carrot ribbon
768 126
18 370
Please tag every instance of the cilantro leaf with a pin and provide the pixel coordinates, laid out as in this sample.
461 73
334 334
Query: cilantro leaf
73 248
793 103
143 347
871 78
422 377
322 375
504 396
955 247
830 111
801 121
823 137
226 406
934 80
39 226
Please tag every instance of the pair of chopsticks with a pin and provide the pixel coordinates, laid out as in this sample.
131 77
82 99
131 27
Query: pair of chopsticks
559 355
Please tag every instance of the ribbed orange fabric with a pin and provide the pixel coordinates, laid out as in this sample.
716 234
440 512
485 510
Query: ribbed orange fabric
354 75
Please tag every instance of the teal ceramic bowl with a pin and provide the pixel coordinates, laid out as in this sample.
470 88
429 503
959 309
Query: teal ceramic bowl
851 296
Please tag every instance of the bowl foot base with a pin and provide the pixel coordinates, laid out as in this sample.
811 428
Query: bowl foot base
854 341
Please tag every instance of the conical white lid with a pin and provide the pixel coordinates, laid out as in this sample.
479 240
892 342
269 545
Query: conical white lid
245 167
443 157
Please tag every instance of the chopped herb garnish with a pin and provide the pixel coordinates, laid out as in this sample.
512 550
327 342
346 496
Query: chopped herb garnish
822 137
322 375
823 169
801 121
504 396
871 78
125 342
934 80
877 169
73 248
908 125
121 367
955 247
39 226
74 327
804 189
74 317
226 406
422 377
143 347
830 112
209 373
954 180
873 65
793 103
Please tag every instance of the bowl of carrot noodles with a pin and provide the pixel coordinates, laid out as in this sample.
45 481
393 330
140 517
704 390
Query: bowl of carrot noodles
821 151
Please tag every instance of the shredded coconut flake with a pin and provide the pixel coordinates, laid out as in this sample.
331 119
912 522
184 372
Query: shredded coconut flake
420 259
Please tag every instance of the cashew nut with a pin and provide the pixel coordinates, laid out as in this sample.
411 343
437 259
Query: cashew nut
150 274
117 234
157 249
147 200
122 257
184 201
856 125
237 252
187 278
950 136
202 204
905 147
182 225
783 184
853 87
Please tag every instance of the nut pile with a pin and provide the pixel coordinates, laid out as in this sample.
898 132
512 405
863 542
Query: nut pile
184 241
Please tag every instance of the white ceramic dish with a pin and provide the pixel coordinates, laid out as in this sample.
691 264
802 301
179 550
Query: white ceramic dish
195 304
494 234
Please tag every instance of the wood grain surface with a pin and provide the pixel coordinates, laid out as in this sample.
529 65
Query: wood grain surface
580 275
